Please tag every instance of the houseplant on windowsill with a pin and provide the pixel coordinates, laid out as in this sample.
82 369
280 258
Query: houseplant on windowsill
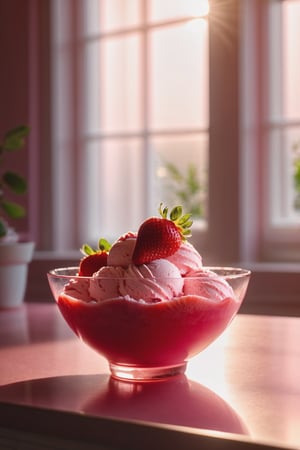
15 254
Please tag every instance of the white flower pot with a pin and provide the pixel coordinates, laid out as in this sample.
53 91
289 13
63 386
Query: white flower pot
14 260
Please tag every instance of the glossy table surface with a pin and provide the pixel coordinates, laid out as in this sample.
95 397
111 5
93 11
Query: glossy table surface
245 386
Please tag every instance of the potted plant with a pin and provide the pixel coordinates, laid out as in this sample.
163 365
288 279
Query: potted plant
15 254
296 175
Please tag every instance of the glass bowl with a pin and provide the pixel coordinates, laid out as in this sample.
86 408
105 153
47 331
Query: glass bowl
148 339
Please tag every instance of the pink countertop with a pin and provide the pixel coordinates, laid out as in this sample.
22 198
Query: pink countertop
245 387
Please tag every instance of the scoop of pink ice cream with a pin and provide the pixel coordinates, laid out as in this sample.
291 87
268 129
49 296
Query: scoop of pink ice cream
159 280
78 288
207 284
186 258
121 251
105 283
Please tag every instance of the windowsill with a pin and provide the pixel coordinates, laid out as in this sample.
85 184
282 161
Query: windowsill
275 267
274 287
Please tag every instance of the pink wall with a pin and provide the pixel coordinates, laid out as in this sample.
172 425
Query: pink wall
24 99
14 79
14 82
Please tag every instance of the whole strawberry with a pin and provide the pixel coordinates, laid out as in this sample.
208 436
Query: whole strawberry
160 237
93 259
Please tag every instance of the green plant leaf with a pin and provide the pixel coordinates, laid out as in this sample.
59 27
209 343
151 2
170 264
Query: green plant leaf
186 187
174 172
197 211
193 184
14 139
3 229
183 196
13 210
15 182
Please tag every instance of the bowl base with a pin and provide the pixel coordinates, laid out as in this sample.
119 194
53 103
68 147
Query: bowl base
136 373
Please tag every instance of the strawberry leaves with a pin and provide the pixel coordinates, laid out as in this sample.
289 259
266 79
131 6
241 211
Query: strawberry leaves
103 245
183 222
94 259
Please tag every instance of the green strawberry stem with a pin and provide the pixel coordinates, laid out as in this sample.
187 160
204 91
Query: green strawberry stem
103 246
183 222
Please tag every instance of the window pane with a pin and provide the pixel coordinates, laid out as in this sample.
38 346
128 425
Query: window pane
172 9
135 83
284 113
120 13
113 85
285 176
112 200
291 59
120 84
178 77
91 87
109 15
180 166
90 17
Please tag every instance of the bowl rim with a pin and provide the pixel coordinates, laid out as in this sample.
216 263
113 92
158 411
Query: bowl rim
228 272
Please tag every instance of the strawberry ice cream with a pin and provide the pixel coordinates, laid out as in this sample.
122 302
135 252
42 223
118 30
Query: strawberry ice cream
206 284
121 252
79 288
159 280
105 285
158 312
186 258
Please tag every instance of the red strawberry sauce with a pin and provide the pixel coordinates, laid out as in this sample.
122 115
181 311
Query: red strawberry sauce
158 334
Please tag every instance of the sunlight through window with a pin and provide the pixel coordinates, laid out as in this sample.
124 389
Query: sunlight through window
146 117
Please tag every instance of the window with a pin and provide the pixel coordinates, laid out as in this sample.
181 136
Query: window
145 118
282 132
152 94
142 128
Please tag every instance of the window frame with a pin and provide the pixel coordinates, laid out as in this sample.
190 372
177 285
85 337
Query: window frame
236 235
224 168
279 243
232 127
146 133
